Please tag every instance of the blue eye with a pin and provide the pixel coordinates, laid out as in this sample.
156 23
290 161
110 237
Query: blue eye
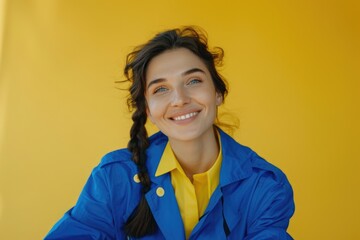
159 90
194 81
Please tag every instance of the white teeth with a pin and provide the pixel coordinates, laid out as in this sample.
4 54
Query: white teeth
186 116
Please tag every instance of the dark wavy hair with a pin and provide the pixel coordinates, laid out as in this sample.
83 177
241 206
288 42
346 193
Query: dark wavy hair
141 222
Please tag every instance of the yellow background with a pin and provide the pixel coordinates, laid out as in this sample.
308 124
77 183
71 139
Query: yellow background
293 69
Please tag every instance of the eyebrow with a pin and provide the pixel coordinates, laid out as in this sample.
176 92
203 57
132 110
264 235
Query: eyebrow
193 70
190 71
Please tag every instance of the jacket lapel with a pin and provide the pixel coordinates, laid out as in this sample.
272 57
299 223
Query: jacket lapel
235 167
163 205
161 197
214 200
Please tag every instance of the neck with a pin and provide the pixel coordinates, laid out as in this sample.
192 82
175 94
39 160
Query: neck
198 155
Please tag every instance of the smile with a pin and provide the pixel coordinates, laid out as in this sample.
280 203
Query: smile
186 116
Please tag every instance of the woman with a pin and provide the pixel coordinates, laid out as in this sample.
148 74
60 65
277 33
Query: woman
190 180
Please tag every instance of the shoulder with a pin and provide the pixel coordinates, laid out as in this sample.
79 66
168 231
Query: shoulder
124 157
251 163
267 169
256 180
117 156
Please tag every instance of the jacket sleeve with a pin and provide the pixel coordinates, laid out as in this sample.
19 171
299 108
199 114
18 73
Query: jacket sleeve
271 210
92 216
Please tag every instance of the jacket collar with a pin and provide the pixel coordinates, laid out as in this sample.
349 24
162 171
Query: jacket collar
235 162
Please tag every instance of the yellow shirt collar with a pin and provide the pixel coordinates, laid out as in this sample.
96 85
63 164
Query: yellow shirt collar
168 162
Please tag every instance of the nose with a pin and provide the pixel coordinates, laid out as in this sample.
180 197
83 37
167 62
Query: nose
180 97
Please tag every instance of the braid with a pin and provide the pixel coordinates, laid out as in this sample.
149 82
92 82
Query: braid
141 222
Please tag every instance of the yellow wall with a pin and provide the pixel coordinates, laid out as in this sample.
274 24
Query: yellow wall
293 69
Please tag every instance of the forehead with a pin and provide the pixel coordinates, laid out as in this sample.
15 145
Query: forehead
173 62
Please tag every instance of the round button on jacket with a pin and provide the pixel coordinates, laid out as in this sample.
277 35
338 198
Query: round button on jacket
136 178
160 191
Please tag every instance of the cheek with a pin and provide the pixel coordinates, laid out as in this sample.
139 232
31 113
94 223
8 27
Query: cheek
155 109
207 99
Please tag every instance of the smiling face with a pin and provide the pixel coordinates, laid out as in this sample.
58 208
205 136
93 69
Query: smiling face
181 97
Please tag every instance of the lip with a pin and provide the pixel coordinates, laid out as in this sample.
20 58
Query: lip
185 116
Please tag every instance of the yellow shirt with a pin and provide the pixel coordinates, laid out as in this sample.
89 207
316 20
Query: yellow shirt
192 197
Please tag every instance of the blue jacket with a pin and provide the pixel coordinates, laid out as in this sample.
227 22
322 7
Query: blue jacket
254 199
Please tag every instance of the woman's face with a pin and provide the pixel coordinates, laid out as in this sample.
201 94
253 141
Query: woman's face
181 97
